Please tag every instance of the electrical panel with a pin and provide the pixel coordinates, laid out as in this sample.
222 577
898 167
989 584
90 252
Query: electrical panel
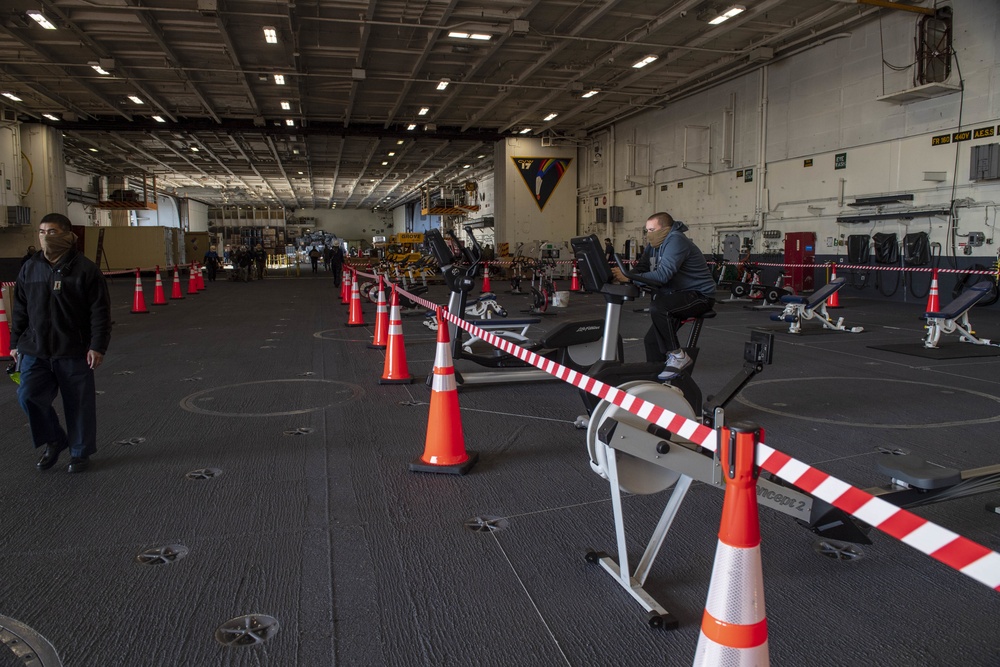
602 216
985 162
731 248
617 214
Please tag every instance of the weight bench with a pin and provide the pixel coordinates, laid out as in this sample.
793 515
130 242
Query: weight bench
955 317
798 308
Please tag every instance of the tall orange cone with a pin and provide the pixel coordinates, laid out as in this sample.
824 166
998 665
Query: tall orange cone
734 627
192 280
138 300
356 317
159 296
4 327
201 277
345 288
574 280
444 447
395 370
176 293
833 301
486 279
933 300
381 337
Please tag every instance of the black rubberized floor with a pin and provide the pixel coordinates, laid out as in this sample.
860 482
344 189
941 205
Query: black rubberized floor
316 521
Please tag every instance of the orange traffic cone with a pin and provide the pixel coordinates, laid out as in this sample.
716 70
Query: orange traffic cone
574 280
395 370
381 319
356 317
345 288
933 301
734 627
138 300
201 277
4 327
486 279
833 301
444 448
159 296
192 281
176 293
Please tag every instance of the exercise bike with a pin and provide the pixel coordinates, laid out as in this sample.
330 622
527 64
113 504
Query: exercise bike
577 345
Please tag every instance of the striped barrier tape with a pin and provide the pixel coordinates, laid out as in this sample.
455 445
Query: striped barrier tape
957 552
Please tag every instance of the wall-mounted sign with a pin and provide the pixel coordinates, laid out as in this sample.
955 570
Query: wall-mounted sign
941 140
739 173
840 161
964 135
597 201
680 185
748 175
638 192
541 175
983 132
807 163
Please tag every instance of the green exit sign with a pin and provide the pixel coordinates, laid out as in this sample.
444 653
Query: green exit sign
840 161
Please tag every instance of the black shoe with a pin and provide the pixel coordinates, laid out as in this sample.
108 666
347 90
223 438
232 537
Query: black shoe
49 457
78 465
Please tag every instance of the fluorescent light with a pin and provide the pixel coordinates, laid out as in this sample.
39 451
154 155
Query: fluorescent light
384 163
279 79
300 173
391 153
289 122
525 130
550 117
589 93
286 106
270 35
645 61
40 19
92 150
194 149
12 96
423 111
466 166
159 119
443 83
483 37
480 157
728 14
100 70
411 126
399 142
458 35
137 100
50 116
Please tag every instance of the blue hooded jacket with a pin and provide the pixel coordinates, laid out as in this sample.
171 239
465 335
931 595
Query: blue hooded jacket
678 265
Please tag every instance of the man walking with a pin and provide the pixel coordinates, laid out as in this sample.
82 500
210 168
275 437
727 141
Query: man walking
60 330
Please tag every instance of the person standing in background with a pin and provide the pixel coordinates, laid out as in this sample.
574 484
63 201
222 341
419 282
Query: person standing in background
211 263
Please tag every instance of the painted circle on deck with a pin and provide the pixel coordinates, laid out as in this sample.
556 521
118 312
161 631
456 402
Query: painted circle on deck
271 398
868 402
343 335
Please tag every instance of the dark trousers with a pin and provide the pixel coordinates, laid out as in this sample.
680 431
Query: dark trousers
667 311
338 273
41 380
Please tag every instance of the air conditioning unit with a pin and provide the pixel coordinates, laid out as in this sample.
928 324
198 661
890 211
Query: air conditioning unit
548 142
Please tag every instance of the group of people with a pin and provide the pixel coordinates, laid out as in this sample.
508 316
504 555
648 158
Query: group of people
61 322
249 263
333 259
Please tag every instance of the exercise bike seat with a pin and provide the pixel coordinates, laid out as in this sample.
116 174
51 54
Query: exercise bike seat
918 473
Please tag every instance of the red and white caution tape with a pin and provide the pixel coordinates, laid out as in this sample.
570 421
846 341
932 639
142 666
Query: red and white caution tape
962 554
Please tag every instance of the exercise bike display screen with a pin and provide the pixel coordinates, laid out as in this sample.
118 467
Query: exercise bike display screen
439 248
593 266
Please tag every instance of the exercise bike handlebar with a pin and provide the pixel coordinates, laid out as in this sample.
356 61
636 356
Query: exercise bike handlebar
637 277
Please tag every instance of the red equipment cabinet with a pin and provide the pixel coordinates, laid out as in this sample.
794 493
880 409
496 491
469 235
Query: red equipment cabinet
800 248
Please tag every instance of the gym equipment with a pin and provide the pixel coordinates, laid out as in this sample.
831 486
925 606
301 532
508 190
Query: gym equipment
955 317
915 482
577 345
798 308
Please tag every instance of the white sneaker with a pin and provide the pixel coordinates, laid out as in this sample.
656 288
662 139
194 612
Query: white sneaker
676 363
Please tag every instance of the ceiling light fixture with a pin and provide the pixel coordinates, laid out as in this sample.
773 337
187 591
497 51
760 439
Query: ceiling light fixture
423 111
411 126
92 150
458 35
466 166
384 163
589 93
645 61
391 153
482 37
194 149
12 96
286 106
443 83
550 117
100 70
40 19
289 122
525 130
728 14
51 117
279 79
270 35
137 100
159 119
399 142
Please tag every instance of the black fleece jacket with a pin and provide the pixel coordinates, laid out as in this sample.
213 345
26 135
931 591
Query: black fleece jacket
60 311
